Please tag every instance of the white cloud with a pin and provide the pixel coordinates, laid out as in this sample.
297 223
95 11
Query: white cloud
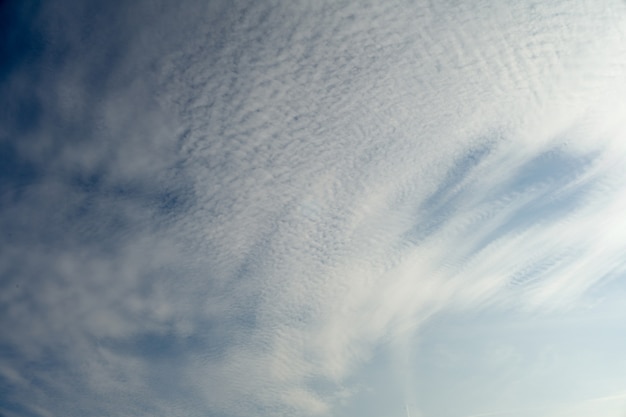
292 185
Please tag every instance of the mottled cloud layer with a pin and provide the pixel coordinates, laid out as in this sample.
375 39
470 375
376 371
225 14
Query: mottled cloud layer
224 209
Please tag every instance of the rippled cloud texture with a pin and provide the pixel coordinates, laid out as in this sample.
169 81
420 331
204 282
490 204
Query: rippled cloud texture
238 208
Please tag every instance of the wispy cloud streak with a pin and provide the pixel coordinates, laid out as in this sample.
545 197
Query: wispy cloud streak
225 208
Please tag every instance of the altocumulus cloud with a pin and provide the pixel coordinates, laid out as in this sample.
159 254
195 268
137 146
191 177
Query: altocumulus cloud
223 208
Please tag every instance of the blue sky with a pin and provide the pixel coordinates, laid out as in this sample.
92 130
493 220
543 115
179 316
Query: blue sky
312 208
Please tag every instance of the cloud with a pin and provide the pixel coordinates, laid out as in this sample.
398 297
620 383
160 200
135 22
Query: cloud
225 208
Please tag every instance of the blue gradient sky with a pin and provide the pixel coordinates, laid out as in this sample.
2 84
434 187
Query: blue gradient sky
312 208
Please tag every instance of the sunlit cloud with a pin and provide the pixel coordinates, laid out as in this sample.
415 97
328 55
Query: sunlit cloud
229 209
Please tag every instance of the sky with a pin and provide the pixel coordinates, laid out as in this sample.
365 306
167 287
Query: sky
313 208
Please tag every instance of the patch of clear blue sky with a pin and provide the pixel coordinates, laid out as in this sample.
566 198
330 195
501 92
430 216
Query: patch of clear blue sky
506 362
553 169
490 361
442 205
